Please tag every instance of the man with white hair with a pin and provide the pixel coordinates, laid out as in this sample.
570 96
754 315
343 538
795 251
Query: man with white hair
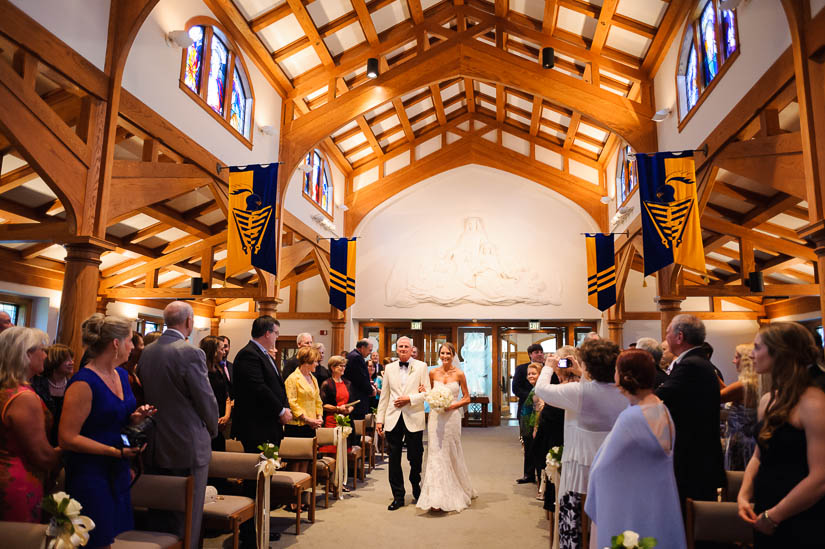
304 339
5 321
175 381
655 349
401 410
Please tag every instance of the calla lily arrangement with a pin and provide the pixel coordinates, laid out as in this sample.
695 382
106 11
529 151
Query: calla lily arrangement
343 421
67 527
554 456
270 461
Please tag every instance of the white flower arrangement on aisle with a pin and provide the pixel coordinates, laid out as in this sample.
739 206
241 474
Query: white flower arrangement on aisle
554 457
439 398
630 540
270 462
67 527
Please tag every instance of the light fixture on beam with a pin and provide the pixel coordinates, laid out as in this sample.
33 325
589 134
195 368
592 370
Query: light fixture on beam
661 115
179 39
548 58
197 285
372 67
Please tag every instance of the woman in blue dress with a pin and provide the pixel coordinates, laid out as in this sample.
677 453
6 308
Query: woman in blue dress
98 404
632 485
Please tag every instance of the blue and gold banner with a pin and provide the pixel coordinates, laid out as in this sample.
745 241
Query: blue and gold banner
252 231
670 211
601 271
341 273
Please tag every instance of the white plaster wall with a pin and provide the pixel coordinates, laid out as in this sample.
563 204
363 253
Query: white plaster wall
82 24
45 305
152 74
639 298
312 296
763 37
521 219
634 329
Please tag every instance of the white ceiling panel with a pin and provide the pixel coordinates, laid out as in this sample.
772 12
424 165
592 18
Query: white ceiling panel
389 16
419 107
346 38
253 8
644 11
587 146
386 124
487 89
346 127
172 234
55 252
452 90
360 154
554 116
300 63
423 122
519 102
281 33
593 132
324 11
353 141
382 108
575 22
628 42
530 8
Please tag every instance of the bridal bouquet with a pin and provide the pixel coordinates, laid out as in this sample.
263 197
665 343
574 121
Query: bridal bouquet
439 398
630 540
67 527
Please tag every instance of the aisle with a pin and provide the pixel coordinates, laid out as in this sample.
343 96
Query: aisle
503 514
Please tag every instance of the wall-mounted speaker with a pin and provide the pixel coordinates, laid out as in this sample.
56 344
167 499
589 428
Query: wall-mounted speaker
197 285
756 282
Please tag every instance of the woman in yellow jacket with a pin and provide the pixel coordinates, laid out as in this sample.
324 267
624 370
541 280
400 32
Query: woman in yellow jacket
304 396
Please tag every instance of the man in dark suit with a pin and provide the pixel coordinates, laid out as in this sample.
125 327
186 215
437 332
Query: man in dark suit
358 375
691 393
304 339
522 388
226 364
261 407
173 373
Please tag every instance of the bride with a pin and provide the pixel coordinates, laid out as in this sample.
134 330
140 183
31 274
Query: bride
446 484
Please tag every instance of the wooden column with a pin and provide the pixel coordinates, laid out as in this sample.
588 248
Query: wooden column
214 326
337 337
668 307
615 331
80 284
267 306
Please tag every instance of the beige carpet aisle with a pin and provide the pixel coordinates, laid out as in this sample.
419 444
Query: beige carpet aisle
504 514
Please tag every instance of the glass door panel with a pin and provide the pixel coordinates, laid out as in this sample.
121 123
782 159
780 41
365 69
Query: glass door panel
475 350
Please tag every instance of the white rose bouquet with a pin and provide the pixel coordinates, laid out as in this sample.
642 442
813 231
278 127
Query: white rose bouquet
630 540
554 457
67 527
439 398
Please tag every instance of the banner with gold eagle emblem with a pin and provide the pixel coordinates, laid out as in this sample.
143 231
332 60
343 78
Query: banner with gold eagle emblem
252 231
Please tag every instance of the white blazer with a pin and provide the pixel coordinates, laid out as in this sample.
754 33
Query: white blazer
392 388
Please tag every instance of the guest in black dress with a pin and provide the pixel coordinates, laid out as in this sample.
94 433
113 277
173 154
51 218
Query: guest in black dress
783 491
51 384
321 372
213 349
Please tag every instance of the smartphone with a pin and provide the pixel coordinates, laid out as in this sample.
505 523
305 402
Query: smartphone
125 440
564 363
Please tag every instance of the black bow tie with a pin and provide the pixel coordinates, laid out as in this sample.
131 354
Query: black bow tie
404 364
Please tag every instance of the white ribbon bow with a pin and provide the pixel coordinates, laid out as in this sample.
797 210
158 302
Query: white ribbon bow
70 535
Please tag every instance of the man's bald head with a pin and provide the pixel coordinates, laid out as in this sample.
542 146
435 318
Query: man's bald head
5 321
179 316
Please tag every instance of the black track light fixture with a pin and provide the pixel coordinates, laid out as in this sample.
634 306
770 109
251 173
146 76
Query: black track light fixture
372 67
548 58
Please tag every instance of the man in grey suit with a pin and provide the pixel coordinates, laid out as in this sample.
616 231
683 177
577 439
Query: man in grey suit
173 373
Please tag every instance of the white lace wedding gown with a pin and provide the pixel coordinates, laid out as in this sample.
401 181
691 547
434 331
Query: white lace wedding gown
446 483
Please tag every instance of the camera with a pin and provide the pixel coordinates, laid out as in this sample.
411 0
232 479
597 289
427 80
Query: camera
564 363
135 436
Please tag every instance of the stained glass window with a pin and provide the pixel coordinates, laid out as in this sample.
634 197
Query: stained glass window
710 50
217 75
729 32
710 42
690 79
213 70
194 59
317 186
626 178
237 116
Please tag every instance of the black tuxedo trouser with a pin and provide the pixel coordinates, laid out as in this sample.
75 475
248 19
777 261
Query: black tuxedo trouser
415 454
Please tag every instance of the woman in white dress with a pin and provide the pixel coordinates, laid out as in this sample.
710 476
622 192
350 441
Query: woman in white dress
446 485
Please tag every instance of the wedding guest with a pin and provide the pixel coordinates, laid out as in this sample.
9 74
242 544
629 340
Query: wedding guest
99 403
691 394
335 392
631 485
131 364
321 372
743 394
5 321
356 372
783 490
304 398
591 407
212 347
521 388
50 386
175 379
304 339
150 338
666 363
372 370
655 349
226 364
528 419
26 455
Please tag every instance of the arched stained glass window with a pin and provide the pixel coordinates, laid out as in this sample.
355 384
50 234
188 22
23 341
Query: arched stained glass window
214 75
709 46
317 184
626 177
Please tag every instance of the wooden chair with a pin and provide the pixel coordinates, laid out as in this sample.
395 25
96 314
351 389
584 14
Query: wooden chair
162 493
357 454
233 445
716 521
732 485
288 486
325 463
230 511
22 535
367 441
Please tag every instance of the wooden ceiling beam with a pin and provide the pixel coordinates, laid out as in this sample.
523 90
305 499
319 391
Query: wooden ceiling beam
269 17
165 214
605 19
17 177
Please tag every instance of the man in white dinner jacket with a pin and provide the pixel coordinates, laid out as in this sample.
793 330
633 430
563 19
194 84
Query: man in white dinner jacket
401 411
